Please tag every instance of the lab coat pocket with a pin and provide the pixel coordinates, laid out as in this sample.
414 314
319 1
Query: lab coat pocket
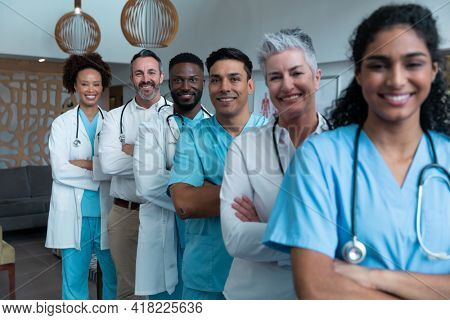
198 260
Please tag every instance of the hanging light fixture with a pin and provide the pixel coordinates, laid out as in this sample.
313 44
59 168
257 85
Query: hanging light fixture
149 23
77 32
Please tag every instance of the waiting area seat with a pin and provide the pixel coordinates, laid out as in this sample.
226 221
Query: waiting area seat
8 262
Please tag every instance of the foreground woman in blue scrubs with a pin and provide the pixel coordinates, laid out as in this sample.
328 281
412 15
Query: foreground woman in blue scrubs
396 112
80 200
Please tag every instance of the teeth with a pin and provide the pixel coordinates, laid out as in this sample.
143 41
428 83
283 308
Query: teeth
290 98
396 98
226 99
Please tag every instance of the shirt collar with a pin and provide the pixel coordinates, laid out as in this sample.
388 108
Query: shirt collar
155 106
282 134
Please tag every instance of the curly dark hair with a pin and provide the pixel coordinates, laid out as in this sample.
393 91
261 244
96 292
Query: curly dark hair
232 54
76 63
351 107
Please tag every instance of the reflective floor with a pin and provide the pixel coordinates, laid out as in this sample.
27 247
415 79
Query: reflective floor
38 270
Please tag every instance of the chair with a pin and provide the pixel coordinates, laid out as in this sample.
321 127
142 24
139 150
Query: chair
8 262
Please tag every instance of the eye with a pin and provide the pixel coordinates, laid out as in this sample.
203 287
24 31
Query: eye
235 79
296 74
193 80
414 64
214 80
376 66
177 80
274 77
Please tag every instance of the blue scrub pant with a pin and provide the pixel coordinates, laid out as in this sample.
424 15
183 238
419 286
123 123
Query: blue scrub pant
192 294
75 264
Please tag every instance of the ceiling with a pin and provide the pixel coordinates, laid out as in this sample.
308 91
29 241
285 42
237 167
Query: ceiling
204 25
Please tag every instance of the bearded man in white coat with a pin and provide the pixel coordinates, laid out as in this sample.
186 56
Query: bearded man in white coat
161 232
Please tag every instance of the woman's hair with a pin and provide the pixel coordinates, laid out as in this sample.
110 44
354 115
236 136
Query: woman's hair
351 107
286 39
76 63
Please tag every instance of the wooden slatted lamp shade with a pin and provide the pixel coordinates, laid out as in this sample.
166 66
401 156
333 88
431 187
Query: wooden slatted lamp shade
76 32
149 23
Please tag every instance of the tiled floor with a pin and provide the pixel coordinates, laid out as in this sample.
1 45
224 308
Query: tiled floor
38 270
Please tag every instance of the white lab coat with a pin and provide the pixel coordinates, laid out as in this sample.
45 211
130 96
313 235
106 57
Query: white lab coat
69 182
113 160
156 260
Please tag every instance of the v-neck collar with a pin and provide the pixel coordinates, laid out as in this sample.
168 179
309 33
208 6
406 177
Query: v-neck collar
368 149
247 124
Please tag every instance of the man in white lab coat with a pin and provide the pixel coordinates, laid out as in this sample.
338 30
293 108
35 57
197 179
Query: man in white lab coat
161 232
116 156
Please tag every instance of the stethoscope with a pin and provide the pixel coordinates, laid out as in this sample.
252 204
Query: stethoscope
354 251
122 135
179 116
77 142
275 144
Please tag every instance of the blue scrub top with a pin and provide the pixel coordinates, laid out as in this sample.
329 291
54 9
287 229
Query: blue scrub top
313 208
188 122
200 155
90 203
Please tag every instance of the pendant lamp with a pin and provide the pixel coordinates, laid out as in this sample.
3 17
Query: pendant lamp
149 23
77 32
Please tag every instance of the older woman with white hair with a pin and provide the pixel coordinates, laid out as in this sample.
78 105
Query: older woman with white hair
256 164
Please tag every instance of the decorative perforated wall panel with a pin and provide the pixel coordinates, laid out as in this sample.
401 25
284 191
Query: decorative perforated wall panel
29 102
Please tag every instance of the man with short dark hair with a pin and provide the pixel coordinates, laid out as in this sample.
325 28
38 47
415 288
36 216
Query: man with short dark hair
161 233
198 171
116 157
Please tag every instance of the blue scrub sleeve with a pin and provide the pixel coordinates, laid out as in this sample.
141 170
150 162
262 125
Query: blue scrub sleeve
305 214
187 166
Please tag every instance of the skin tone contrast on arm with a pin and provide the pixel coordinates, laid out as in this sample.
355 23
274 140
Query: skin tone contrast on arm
406 285
315 278
196 202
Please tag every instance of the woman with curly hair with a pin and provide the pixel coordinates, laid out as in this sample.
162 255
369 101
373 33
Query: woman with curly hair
80 200
357 193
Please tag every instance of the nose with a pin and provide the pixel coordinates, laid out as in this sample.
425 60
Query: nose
185 85
287 84
225 85
146 77
396 77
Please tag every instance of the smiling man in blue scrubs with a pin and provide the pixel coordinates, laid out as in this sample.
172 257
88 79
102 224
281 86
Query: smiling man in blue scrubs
198 171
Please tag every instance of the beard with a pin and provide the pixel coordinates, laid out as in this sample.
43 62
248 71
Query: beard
186 107
141 92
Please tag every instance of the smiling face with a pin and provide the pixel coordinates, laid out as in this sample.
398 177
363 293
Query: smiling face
229 87
146 78
291 83
396 75
186 85
89 87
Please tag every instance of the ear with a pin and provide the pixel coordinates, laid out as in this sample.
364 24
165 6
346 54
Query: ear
434 70
317 78
250 86
161 78
358 75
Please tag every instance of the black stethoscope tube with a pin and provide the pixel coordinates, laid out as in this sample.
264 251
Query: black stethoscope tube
77 141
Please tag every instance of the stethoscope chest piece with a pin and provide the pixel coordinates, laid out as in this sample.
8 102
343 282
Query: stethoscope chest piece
76 142
122 138
354 251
